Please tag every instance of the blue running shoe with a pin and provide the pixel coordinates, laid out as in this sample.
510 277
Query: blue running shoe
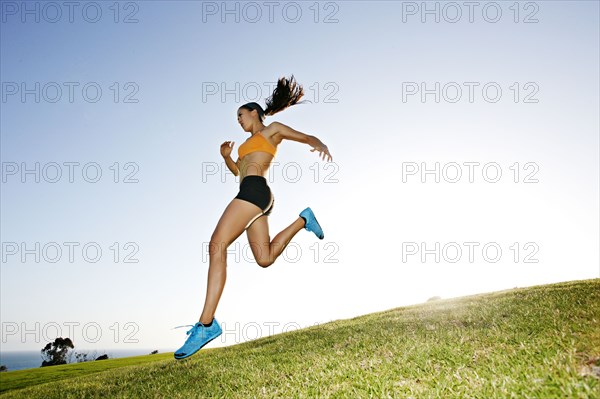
199 335
311 223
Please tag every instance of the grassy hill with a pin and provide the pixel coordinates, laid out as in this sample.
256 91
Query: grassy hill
536 342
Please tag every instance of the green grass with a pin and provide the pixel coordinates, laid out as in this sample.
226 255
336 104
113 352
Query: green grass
537 342
23 378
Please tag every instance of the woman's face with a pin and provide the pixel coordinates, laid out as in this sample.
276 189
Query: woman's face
246 118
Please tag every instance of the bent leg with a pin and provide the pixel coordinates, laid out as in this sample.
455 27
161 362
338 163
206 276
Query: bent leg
266 251
231 225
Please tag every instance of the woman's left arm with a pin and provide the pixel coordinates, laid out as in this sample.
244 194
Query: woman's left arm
287 132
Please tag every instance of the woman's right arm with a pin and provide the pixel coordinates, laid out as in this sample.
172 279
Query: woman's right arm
226 153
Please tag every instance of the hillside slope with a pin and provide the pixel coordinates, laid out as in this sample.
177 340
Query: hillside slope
536 342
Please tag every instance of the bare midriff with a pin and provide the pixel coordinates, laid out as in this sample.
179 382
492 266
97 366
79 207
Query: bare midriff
255 163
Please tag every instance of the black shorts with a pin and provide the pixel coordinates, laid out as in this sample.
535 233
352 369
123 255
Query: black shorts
254 189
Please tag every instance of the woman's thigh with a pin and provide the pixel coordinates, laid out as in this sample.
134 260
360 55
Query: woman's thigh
235 219
259 239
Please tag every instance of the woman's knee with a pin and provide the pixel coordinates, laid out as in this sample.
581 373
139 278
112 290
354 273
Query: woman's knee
265 259
217 247
261 254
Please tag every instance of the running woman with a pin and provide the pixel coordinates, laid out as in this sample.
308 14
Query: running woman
250 209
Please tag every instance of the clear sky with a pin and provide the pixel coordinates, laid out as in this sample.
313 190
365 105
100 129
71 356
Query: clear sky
112 182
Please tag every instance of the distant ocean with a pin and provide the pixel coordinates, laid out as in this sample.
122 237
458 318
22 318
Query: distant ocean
20 360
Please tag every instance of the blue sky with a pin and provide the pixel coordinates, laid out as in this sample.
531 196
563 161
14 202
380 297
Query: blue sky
171 79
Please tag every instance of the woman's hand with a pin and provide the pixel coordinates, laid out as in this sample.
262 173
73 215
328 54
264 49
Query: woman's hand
323 150
226 148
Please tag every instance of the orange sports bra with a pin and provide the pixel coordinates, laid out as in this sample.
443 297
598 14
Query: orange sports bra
254 144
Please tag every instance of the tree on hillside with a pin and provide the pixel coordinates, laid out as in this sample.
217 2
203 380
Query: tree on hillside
80 357
55 353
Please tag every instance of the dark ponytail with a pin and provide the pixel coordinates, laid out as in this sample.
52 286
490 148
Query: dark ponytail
286 94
